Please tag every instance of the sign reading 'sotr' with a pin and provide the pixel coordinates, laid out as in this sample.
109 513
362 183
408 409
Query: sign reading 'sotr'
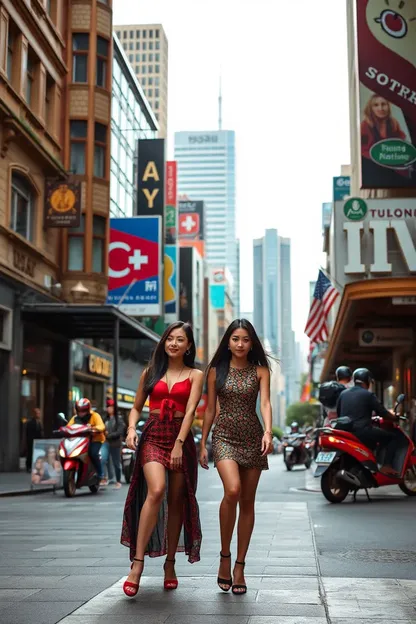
151 177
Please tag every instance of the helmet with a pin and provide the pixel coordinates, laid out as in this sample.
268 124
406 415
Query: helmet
343 373
362 376
83 407
294 426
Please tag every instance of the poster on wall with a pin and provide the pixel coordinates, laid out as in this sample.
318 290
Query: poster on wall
171 291
386 40
46 467
134 265
62 204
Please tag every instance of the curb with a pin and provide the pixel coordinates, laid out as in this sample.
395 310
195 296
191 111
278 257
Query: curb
25 492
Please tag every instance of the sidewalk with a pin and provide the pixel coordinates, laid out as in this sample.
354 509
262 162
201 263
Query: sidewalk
17 484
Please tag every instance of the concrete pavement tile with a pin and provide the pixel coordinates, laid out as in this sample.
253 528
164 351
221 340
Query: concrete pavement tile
372 621
76 562
207 619
289 596
293 583
382 612
342 584
290 562
65 594
278 619
16 594
31 582
39 613
284 571
58 547
112 619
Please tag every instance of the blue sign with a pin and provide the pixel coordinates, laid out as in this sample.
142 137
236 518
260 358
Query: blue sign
217 296
171 284
341 187
134 265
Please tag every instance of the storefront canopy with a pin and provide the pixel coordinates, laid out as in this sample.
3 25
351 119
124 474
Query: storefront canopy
85 321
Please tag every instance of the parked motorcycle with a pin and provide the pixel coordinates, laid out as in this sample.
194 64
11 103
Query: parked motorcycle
346 465
127 462
78 469
296 451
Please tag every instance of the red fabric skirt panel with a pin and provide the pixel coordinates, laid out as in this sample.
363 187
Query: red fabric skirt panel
156 444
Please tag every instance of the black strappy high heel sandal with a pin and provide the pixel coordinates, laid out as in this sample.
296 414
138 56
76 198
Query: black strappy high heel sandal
239 586
226 582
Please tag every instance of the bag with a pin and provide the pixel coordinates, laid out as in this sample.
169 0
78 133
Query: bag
344 423
329 393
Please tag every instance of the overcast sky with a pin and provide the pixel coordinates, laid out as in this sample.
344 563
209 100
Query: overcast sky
285 93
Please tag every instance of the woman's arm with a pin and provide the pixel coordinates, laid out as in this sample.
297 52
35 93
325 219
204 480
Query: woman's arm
139 402
211 410
265 408
197 378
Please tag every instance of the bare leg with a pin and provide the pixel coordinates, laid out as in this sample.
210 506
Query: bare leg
155 476
249 481
175 518
230 477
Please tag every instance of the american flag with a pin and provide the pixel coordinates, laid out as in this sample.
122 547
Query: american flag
324 297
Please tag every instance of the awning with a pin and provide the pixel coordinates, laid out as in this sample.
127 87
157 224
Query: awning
85 321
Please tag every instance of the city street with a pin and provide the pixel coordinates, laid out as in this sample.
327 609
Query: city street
309 561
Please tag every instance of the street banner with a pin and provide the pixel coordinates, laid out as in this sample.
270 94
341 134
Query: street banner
386 40
46 467
171 290
151 178
191 228
341 188
171 208
186 285
62 204
134 265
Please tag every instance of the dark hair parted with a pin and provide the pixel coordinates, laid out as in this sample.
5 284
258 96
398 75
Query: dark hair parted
159 362
222 356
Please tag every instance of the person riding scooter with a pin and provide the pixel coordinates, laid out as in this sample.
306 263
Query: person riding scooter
343 375
86 416
358 404
330 392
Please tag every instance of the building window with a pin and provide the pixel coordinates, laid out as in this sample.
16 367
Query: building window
98 244
6 326
150 92
80 47
157 116
157 69
102 56
29 74
157 105
131 45
157 34
137 34
144 57
150 45
144 34
131 34
150 81
136 69
131 57
150 69
144 82
157 45
22 213
11 46
50 104
157 57
151 34
124 34
151 58
118 33
157 93
157 81
76 247
78 132
144 45
137 58
100 142
144 69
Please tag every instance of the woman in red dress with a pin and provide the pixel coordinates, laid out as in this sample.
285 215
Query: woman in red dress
161 515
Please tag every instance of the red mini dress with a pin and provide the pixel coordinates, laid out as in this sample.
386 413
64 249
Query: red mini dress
156 444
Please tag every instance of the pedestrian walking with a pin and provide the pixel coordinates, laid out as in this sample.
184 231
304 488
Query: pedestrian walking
115 431
34 431
162 493
236 374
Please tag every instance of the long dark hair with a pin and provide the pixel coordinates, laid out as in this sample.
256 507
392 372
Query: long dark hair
222 356
159 363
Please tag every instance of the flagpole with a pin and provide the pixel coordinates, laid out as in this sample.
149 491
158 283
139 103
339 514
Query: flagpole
332 279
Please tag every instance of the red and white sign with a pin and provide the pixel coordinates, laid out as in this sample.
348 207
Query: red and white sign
171 183
189 224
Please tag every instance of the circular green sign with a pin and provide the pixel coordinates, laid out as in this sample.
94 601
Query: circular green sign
355 209
393 153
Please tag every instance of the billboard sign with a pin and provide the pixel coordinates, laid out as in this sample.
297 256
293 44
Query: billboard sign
151 178
63 204
171 208
191 225
134 265
386 40
46 467
186 285
385 337
171 290
341 187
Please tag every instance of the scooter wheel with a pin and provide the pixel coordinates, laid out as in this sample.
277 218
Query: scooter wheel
288 466
334 490
94 488
127 475
308 464
69 483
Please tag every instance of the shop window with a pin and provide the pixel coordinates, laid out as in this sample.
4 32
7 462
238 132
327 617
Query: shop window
6 322
76 247
102 57
100 142
78 133
23 205
98 244
80 47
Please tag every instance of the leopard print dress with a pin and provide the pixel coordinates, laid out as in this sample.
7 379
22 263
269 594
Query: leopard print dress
238 433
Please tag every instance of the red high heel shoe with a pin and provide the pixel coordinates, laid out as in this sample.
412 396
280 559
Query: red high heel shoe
129 588
170 583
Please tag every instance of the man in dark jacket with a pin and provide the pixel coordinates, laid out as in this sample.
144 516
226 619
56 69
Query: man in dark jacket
34 431
115 432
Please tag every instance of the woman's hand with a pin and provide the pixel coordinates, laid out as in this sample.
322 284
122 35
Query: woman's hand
267 444
176 456
132 439
203 457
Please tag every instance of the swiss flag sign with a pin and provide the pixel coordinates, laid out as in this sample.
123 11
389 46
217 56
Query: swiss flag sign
189 224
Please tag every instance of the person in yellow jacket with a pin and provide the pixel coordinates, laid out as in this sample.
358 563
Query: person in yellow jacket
86 416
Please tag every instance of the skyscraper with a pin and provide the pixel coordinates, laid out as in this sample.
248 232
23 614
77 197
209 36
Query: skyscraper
146 46
266 292
288 340
206 170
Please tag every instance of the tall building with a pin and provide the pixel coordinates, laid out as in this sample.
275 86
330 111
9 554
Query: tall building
287 334
206 171
146 47
131 119
266 289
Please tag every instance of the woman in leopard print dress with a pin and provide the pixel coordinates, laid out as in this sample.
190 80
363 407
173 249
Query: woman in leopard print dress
236 374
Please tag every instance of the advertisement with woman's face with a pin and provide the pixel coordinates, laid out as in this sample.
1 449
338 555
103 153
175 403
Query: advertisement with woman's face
46 467
386 39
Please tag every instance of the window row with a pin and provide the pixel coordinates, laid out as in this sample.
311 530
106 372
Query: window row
143 58
80 50
76 245
149 81
149 69
125 34
78 134
141 46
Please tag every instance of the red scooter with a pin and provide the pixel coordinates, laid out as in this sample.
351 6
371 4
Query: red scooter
78 469
346 465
